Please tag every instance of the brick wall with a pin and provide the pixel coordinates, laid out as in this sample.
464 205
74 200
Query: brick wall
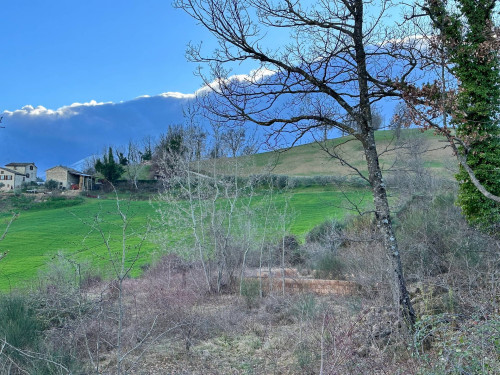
317 286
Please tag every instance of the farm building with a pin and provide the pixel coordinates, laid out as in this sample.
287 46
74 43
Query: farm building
69 178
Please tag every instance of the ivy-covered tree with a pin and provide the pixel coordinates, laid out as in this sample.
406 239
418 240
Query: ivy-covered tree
110 169
472 47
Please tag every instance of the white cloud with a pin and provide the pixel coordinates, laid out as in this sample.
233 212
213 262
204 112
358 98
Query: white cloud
177 95
29 110
254 76
73 109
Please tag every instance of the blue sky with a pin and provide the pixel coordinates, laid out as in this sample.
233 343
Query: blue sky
58 52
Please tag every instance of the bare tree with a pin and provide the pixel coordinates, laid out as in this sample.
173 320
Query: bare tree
134 165
209 199
338 63
6 230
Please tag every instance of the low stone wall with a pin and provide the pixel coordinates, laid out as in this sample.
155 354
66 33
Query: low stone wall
317 286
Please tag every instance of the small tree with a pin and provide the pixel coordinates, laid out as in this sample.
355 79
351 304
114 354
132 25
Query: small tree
169 153
147 149
133 166
111 170
51 185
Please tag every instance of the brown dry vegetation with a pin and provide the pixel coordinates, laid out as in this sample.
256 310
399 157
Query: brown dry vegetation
172 325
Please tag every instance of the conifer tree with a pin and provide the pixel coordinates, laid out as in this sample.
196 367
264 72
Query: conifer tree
110 169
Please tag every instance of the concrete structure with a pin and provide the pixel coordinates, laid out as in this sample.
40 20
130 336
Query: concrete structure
28 169
68 178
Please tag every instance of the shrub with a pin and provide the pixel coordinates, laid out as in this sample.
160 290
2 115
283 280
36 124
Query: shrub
434 237
51 185
250 290
328 234
329 266
18 325
466 347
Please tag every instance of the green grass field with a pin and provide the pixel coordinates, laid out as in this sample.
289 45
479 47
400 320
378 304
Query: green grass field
38 235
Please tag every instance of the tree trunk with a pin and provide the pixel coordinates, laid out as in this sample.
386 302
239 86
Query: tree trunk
384 223
367 138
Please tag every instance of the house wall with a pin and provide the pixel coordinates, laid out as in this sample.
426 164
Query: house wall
60 175
26 170
32 173
10 180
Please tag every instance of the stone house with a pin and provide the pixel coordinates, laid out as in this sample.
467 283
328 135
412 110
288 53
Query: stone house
69 178
28 169
13 175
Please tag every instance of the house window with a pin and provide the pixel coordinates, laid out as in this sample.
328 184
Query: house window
31 167
1 177
24 178
27 175
1 172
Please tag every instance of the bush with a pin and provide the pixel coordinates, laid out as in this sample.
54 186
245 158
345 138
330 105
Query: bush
459 347
434 237
328 234
250 290
58 202
51 185
329 266
18 325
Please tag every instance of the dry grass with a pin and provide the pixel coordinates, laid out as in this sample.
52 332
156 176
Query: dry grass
310 159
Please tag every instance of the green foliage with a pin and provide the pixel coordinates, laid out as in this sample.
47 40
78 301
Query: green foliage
111 170
305 307
459 347
57 202
250 290
17 202
51 185
305 358
122 159
472 48
27 346
329 266
327 234
18 324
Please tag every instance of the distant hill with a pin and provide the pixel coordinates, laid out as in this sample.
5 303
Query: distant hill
311 160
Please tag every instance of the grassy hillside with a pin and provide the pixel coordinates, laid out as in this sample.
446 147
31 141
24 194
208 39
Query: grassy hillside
310 159
38 235
43 231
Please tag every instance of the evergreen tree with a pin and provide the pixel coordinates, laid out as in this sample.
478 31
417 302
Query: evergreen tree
473 52
111 170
